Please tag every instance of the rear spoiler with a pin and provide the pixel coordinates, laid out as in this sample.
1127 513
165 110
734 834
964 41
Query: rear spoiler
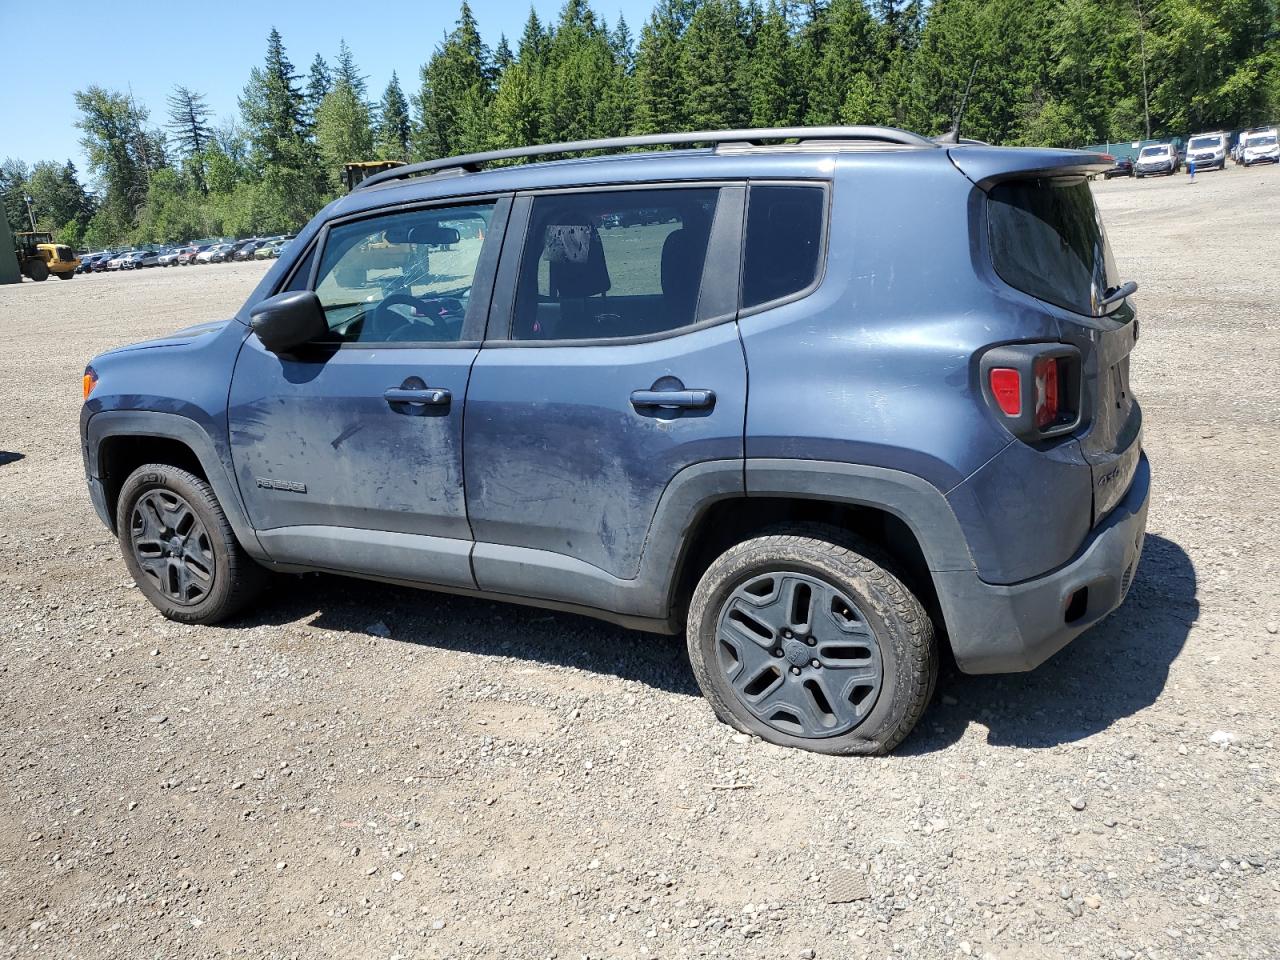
987 166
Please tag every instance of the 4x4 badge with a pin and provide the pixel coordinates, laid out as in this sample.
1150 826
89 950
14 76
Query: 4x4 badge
287 485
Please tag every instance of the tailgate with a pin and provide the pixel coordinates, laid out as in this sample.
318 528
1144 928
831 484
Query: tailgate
1112 442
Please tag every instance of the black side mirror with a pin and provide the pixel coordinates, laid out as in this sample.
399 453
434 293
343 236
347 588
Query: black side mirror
288 320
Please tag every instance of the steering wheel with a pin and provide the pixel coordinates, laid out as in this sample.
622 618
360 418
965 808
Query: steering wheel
442 322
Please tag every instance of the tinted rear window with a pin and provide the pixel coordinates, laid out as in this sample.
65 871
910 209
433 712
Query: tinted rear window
784 242
1047 240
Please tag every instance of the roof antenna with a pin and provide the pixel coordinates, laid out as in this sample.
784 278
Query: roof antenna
953 135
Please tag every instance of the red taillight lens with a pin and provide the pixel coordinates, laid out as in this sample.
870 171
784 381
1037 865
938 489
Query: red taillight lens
1006 387
1045 371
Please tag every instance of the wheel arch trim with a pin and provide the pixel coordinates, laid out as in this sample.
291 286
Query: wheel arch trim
108 424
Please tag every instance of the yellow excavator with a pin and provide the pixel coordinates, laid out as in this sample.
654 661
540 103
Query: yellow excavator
39 256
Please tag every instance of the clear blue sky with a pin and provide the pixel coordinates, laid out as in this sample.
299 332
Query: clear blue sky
211 47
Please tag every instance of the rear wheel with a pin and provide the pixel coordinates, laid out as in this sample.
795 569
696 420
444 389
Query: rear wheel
180 548
66 276
802 639
38 270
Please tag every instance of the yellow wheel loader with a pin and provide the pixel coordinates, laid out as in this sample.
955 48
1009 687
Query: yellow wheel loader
39 256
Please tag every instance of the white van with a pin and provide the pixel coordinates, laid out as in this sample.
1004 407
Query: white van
1207 151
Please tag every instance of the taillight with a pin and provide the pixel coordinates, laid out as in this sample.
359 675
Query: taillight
1006 387
1034 388
90 381
1045 371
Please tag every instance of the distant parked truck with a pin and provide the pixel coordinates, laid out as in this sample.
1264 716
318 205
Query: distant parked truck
38 256
1208 151
1261 147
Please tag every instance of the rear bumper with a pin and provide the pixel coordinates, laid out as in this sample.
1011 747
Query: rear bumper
1006 629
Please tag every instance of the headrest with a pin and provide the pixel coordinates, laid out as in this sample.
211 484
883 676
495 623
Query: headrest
575 257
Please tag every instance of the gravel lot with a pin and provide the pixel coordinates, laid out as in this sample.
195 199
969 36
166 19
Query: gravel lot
491 781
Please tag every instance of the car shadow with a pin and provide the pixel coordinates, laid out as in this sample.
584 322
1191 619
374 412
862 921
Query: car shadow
481 627
9 456
1111 671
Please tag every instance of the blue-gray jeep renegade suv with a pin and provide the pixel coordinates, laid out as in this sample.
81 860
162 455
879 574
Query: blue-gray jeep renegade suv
824 398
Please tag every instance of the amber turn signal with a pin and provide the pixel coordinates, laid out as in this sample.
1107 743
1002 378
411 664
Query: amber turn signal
90 381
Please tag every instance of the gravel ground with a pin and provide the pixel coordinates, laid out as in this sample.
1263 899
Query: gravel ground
363 771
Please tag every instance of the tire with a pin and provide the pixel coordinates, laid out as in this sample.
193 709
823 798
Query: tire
38 270
162 509
862 626
66 276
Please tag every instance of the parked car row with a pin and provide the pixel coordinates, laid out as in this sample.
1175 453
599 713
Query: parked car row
1208 151
256 248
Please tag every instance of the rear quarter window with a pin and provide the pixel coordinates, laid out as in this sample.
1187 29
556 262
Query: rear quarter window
785 227
1047 240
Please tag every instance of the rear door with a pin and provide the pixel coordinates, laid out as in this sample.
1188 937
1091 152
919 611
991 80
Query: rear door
349 452
613 363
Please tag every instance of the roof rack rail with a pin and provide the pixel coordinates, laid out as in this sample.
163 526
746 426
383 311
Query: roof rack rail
473 162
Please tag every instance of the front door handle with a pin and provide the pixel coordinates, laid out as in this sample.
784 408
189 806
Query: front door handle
426 396
674 399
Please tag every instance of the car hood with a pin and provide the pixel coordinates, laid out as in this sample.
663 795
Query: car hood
174 339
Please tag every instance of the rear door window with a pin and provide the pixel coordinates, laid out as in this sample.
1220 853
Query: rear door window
601 265
784 242
1047 240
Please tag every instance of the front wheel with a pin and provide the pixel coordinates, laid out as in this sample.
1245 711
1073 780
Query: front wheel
180 549
804 640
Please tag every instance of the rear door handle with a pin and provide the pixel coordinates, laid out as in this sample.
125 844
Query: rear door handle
428 396
674 399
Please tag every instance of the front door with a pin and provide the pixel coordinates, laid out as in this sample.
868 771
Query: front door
615 364
349 453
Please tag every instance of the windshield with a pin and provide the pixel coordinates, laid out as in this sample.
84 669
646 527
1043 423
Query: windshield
1204 143
1154 151
1266 141
1047 240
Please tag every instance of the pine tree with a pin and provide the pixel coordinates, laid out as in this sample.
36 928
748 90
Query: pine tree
502 55
289 179
394 125
770 80
319 83
273 108
712 61
346 71
343 133
189 121
580 75
848 48
457 77
516 105
657 70
623 45
532 48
